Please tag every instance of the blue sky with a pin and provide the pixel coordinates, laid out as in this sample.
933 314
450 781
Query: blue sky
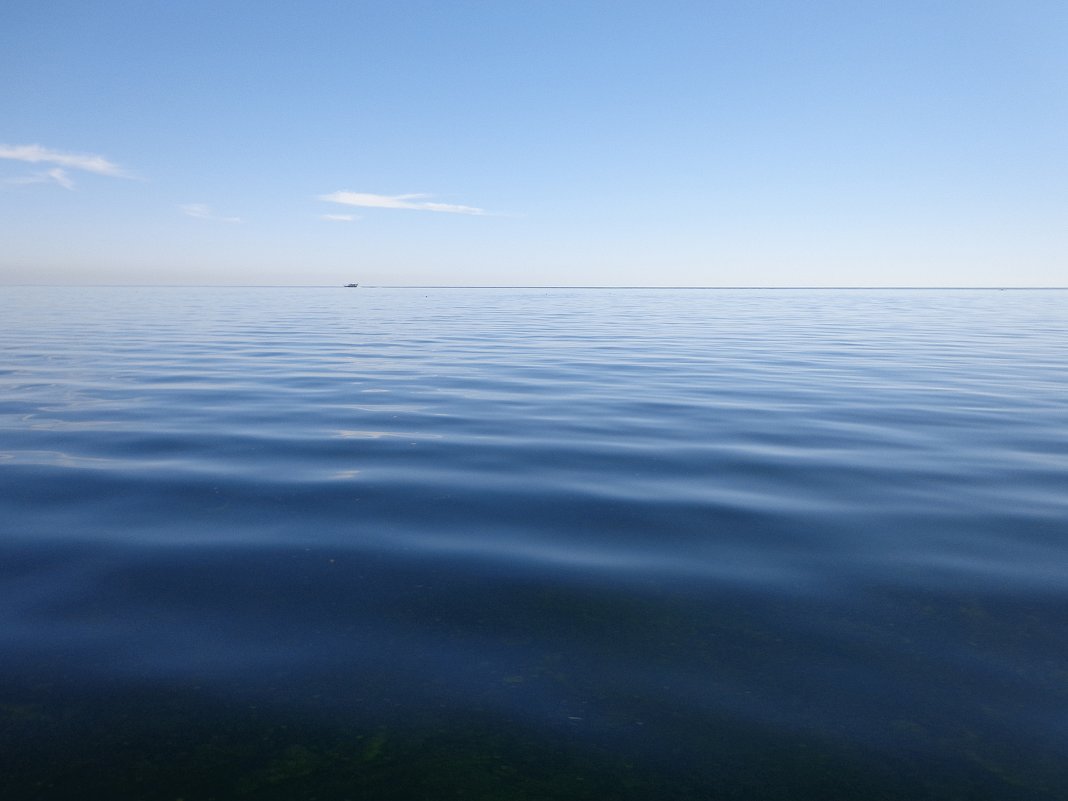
531 143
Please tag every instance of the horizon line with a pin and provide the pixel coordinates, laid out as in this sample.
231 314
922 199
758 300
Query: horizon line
539 286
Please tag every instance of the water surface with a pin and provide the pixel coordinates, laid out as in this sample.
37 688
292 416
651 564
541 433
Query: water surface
545 544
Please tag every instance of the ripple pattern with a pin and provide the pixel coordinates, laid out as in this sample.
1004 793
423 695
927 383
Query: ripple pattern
742 522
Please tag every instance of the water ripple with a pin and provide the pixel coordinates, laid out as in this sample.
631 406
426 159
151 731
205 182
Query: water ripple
652 517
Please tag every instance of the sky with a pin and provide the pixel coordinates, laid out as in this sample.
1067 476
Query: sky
669 143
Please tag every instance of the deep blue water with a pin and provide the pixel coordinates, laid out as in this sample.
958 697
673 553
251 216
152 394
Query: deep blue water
534 544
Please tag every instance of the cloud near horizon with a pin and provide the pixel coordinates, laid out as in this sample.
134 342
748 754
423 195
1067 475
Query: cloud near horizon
199 211
415 202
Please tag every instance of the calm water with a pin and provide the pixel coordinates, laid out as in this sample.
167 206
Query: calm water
533 544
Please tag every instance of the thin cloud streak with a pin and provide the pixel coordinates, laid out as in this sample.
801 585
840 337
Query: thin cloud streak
340 217
413 202
87 162
199 211
56 175
60 176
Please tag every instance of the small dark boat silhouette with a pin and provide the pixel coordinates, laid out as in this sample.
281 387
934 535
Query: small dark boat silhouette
352 285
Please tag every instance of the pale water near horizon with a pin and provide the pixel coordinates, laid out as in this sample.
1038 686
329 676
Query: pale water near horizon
535 544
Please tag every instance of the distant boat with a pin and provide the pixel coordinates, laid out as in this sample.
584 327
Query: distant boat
352 285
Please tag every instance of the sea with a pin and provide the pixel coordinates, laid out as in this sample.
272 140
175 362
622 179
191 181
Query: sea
420 544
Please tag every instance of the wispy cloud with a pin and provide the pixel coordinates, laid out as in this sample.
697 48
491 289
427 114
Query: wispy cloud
340 217
201 212
60 176
87 162
414 202
56 175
